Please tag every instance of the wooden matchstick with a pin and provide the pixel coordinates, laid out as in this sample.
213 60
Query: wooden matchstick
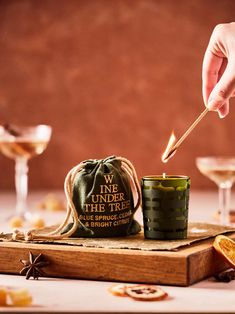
183 137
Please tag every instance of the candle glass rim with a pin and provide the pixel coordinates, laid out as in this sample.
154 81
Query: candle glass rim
167 177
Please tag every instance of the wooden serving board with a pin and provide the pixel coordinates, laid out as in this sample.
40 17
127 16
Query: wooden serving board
182 268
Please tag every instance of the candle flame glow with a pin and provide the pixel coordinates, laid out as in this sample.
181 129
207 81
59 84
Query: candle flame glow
164 175
169 147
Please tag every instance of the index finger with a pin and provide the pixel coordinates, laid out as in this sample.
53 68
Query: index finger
210 73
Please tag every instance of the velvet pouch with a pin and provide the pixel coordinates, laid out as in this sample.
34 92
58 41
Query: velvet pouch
102 197
105 194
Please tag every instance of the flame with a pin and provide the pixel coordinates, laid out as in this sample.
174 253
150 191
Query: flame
169 147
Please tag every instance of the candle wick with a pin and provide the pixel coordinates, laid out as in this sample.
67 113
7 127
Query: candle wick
164 175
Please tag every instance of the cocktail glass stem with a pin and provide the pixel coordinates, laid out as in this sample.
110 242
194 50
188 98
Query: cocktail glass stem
21 184
224 202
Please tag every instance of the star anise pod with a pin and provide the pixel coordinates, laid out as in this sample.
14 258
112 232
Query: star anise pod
33 266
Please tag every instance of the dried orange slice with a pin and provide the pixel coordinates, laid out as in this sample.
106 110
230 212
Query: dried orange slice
16 222
226 248
146 293
3 296
20 297
119 289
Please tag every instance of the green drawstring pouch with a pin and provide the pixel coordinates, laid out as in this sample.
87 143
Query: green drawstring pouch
102 197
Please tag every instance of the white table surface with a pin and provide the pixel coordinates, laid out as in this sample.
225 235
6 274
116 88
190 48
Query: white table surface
81 296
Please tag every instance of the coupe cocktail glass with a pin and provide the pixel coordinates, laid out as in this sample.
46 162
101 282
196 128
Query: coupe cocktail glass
220 170
21 144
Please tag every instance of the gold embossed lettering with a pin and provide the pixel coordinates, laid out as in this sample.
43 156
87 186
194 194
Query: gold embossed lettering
111 188
108 178
94 208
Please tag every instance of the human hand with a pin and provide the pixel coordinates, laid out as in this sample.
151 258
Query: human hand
218 71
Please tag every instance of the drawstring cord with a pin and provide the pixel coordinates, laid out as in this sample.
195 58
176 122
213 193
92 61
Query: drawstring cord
57 234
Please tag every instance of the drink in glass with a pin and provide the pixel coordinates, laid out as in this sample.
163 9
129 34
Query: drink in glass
22 144
220 170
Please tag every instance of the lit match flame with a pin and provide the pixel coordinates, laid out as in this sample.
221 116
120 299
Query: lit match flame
169 149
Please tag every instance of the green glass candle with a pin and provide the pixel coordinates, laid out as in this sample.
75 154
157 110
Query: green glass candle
165 202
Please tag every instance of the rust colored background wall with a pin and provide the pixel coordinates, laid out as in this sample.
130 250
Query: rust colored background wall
111 77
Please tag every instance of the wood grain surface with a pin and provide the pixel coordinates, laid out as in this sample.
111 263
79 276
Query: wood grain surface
184 267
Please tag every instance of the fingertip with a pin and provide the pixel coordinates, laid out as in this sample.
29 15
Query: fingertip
223 110
214 105
221 115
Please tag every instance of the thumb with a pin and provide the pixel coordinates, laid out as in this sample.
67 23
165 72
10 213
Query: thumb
223 90
223 110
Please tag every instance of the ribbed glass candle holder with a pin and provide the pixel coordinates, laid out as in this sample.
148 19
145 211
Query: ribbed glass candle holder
165 202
